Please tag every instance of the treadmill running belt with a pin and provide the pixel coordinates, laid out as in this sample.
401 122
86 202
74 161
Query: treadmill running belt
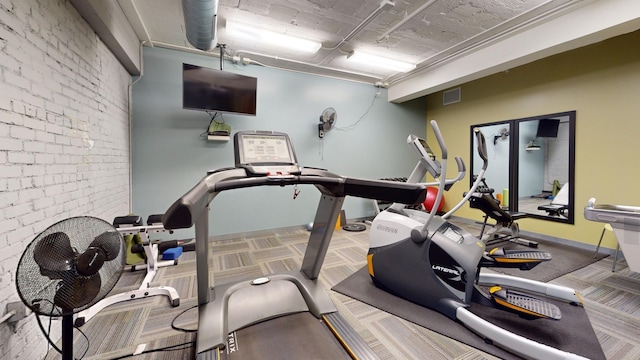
295 336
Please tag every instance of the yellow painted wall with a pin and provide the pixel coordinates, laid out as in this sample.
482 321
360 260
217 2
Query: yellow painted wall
602 83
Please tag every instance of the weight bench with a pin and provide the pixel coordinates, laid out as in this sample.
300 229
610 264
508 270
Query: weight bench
132 225
483 199
559 204
554 210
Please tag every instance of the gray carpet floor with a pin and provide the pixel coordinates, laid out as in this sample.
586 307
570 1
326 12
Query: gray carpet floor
611 299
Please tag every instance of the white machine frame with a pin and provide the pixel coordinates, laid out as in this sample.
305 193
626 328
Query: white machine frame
145 290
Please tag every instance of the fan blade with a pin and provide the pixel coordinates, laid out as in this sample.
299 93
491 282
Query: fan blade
109 242
54 254
76 292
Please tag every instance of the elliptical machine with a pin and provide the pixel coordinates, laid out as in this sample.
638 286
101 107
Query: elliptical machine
427 260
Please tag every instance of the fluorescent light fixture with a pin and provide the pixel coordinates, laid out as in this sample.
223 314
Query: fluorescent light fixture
381 62
532 145
259 35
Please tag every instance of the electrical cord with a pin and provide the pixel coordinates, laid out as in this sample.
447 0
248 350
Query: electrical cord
46 335
182 346
86 338
176 347
213 120
174 327
352 126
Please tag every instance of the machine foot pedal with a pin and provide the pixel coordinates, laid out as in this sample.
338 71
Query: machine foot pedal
523 259
525 304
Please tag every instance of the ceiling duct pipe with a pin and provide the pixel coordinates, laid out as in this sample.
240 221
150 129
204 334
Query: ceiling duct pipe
200 18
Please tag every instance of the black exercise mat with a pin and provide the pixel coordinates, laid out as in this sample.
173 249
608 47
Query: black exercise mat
573 333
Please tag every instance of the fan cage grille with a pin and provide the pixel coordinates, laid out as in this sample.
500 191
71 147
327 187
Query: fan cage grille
38 290
328 119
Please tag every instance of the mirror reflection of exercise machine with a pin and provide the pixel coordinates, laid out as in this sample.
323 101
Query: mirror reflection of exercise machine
292 305
524 168
484 200
132 225
434 263
481 197
560 203
625 221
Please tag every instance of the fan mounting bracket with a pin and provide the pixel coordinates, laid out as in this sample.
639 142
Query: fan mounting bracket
321 130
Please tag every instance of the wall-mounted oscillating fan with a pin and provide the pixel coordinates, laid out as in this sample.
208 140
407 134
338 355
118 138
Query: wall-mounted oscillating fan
503 134
328 120
68 267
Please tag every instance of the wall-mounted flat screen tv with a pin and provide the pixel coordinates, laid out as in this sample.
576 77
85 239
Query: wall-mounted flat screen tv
548 128
216 90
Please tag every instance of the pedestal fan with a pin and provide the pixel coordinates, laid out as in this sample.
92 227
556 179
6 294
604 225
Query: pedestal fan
67 268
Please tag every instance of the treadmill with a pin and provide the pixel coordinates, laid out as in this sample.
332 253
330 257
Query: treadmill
284 315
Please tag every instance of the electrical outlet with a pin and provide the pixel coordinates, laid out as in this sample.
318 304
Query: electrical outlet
20 311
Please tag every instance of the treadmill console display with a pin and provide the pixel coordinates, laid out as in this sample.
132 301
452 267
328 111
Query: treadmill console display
264 153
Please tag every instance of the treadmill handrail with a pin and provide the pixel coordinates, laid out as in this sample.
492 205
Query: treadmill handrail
184 211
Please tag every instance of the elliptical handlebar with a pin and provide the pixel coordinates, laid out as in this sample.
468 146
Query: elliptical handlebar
482 147
482 151
421 234
441 143
462 170
427 163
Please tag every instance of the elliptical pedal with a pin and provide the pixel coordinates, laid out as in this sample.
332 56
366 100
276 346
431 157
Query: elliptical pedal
524 303
508 258
501 254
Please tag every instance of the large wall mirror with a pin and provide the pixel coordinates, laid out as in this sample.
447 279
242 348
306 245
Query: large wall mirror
531 164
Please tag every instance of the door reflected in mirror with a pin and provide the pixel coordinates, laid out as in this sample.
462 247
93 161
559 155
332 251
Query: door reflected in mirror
531 164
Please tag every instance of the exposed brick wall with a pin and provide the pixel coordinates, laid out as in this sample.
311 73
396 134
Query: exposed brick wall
63 138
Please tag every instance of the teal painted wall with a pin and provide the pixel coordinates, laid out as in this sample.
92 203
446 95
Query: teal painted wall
170 155
497 175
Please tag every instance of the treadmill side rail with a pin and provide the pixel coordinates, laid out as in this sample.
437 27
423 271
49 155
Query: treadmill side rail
351 341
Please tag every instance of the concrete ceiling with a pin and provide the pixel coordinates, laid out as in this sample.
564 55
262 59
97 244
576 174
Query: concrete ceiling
428 33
